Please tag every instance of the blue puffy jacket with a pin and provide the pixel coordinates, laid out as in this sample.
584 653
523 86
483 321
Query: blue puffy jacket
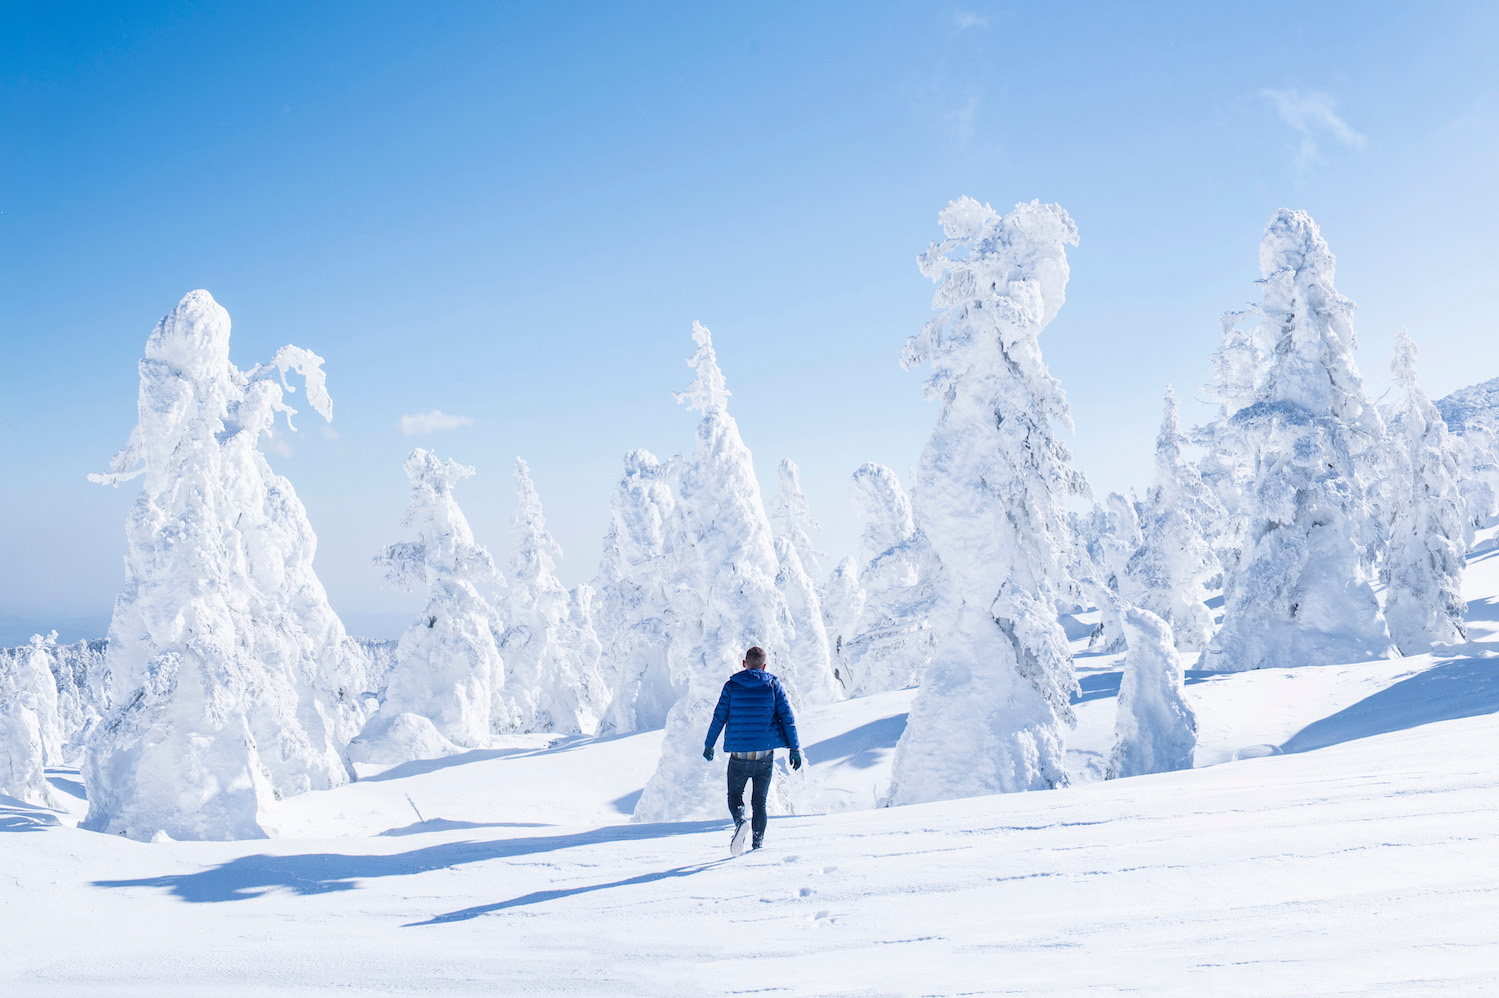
753 705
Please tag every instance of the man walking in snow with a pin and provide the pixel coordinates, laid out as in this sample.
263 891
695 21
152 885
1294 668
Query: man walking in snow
755 718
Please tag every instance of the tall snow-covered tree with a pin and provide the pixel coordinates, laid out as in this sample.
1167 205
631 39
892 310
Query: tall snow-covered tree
729 599
989 493
811 655
232 681
791 517
893 640
1111 538
1423 565
635 613
22 718
440 692
1155 731
1301 592
552 677
842 606
1168 573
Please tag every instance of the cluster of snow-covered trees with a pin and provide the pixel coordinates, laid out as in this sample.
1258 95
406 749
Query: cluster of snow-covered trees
228 682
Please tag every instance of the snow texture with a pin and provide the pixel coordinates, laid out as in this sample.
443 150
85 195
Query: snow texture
1155 731
447 665
893 639
1423 565
729 602
552 676
990 490
634 609
791 517
1111 537
231 681
1169 572
1301 592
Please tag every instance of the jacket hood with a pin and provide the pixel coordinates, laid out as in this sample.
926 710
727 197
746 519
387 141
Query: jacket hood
752 677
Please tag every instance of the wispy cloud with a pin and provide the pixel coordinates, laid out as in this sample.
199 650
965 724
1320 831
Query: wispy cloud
431 422
1312 116
961 122
966 19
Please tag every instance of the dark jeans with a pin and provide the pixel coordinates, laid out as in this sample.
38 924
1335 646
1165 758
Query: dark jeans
757 772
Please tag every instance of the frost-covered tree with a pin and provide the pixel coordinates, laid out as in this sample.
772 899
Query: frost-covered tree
634 610
231 679
70 682
1301 591
894 640
1111 537
729 598
1423 565
440 692
791 517
1169 571
1155 731
842 606
990 489
24 718
799 566
552 677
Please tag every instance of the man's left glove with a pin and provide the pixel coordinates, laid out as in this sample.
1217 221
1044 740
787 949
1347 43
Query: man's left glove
708 752
796 759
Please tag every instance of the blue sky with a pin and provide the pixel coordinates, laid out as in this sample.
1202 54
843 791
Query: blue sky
513 213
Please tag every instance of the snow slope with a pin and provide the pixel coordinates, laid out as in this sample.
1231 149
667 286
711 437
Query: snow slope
1338 837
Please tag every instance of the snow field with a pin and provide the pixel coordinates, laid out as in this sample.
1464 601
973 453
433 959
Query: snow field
1363 867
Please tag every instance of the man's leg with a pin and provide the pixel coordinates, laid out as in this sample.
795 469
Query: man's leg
759 791
739 773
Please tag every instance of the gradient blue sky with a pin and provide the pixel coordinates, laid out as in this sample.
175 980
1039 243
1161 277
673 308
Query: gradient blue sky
514 213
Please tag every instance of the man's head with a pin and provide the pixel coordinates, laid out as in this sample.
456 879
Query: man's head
754 658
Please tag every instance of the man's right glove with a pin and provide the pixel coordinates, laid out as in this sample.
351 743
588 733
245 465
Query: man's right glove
708 752
796 759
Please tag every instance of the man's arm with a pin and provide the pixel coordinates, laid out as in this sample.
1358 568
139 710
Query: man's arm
787 721
720 718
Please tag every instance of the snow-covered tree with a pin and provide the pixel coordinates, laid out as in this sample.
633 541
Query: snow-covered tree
1423 565
842 606
811 655
989 494
799 566
231 679
1155 731
25 717
893 641
32 673
1301 591
552 677
72 693
634 609
729 598
1168 573
440 692
1111 538
792 515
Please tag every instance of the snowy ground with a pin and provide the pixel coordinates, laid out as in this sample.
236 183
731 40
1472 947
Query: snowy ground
1339 837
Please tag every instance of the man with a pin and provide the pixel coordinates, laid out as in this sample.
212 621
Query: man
754 709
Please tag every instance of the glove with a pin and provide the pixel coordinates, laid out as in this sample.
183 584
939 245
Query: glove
796 759
708 753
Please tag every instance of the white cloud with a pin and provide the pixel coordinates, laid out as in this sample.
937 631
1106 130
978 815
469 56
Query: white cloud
966 19
431 422
275 443
1311 116
960 122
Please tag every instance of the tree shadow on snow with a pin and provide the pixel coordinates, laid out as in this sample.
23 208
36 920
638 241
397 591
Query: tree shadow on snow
537 897
318 873
19 816
1465 687
860 747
